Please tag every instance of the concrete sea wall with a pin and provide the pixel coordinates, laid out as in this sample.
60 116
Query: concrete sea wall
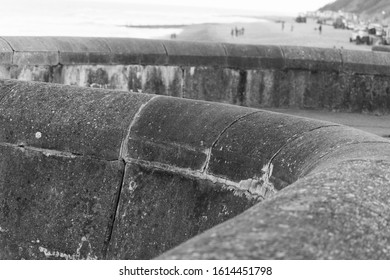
105 174
248 75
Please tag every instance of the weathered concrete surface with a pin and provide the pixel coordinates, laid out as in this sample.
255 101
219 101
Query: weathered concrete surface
381 48
180 132
375 124
312 59
66 119
6 53
374 63
254 57
241 155
158 210
61 170
184 53
55 206
98 171
246 75
213 84
301 155
137 51
338 213
33 50
74 50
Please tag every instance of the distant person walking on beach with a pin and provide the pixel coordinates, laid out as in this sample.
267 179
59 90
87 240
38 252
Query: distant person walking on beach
232 32
282 25
320 29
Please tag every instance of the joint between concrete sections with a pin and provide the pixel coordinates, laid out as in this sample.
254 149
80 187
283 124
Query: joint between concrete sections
238 188
268 165
342 60
46 152
13 51
55 153
182 83
111 224
283 55
209 151
165 49
123 149
225 51
357 143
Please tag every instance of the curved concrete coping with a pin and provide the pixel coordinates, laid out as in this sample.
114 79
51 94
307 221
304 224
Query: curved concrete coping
377 63
315 59
76 50
381 48
254 56
89 173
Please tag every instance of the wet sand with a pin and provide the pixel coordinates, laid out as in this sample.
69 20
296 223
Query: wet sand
269 32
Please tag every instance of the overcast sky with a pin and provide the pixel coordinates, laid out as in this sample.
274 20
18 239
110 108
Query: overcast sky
269 5
276 6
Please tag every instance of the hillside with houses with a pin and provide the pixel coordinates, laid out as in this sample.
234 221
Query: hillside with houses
373 10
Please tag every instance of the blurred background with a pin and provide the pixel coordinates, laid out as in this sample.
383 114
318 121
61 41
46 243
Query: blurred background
352 24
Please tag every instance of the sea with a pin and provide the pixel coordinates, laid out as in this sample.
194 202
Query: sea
86 18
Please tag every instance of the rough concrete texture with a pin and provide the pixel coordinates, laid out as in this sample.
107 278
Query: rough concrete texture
381 48
366 93
282 76
61 168
55 206
74 50
33 50
185 53
180 132
137 51
214 84
39 73
254 57
338 213
301 154
313 59
95 76
158 210
240 155
6 53
89 173
373 63
66 119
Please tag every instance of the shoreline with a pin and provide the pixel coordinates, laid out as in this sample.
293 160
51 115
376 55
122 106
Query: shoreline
270 32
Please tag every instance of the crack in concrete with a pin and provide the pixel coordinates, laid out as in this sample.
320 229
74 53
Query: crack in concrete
293 139
122 157
351 144
123 149
46 152
182 83
239 188
209 151
110 226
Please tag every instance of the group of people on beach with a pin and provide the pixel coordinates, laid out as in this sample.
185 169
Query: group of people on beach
237 31
283 25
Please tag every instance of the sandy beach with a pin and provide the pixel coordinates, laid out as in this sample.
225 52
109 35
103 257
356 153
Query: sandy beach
269 32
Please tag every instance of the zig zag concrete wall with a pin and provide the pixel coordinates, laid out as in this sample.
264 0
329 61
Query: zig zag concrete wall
95 174
248 75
